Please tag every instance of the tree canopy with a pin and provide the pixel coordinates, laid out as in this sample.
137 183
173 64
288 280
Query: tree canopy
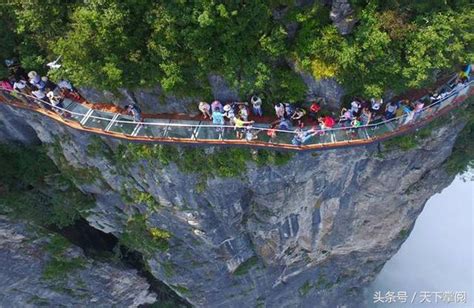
108 44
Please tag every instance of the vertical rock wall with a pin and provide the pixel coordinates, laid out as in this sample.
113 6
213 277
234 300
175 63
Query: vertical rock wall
33 274
309 233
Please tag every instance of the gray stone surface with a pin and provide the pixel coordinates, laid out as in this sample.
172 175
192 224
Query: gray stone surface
319 228
150 100
24 257
14 130
343 17
221 90
155 101
327 88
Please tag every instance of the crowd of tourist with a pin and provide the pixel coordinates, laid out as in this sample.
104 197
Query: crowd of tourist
294 117
47 94
287 117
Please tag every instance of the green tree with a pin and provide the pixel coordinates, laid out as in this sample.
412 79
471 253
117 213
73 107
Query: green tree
441 43
177 44
106 45
392 47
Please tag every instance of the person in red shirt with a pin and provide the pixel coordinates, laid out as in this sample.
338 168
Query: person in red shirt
326 122
313 110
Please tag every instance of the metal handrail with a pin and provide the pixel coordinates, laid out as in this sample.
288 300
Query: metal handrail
227 126
399 119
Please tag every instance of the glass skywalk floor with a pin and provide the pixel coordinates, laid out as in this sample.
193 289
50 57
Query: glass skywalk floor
117 125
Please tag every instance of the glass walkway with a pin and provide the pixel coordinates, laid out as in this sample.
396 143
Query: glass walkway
116 125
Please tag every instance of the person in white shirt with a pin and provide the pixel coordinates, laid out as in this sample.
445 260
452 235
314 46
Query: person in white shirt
256 105
20 86
205 109
280 110
64 84
243 113
376 105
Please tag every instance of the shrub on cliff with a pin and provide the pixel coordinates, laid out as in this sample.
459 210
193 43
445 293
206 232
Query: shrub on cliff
34 189
138 236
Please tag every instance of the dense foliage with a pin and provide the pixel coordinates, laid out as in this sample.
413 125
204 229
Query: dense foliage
461 161
129 43
32 188
228 162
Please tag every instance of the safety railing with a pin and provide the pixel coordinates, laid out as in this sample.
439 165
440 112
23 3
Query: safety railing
118 125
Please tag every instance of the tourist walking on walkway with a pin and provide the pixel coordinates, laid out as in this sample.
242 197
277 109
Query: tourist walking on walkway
390 110
313 110
280 110
5 85
355 107
41 98
205 110
229 113
56 102
256 105
375 105
418 109
301 137
345 117
35 81
216 105
21 86
218 119
251 133
271 133
134 111
243 112
366 116
240 126
326 122
298 116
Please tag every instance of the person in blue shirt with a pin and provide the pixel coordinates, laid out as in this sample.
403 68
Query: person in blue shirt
301 137
217 118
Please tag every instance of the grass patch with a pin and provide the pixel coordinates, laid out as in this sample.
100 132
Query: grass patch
181 289
98 148
138 236
135 196
141 197
244 267
266 157
39 301
77 175
305 288
461 159
403 234
405 143
60 266
131 152
168 269
201 185
323 282
229 162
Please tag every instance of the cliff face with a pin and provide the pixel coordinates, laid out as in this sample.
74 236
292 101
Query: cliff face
310 232
156 101
42 269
